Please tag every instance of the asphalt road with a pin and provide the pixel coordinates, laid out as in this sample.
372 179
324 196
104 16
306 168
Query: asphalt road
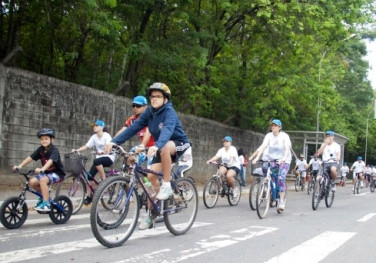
343 233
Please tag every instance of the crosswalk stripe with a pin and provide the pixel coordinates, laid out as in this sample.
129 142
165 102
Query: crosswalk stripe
315 249
39 252
203 246
366 217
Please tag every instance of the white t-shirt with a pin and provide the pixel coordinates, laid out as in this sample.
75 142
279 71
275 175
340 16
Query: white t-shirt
333 149
301 164
275 147
100 144
186 158
226 156
359 167
344 170
315 164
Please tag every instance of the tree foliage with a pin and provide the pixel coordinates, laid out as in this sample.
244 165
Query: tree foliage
236 61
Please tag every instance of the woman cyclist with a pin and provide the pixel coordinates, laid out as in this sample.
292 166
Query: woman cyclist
229 156
276 146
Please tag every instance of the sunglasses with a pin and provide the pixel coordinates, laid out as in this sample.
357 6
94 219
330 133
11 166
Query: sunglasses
137 106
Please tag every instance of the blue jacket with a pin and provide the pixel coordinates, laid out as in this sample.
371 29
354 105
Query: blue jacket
163 124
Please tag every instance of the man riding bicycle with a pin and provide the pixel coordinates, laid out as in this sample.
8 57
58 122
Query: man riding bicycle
331 154
315 162
358 168
301 169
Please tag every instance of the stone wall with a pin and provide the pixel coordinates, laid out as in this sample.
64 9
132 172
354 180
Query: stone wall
29 101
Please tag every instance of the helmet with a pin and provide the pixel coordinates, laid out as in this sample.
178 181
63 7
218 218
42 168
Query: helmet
46 131
162 88
98 123
140 100
277 122
301 155
330 133
359 158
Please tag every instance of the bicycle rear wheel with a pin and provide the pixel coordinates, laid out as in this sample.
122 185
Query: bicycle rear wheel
329 197
316 195
112 227
372 186
181 210
253 194
263 198
357 186
211 193
73 187
230 197
310 186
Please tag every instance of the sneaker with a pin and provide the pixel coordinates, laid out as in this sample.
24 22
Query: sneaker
164 192
361 184
281 205
147 223
333 188
159 219
40 200
235 193
44 207
88 200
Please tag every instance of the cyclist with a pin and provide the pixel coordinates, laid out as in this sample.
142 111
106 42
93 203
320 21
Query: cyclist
139 105
315 162
243 166
300 168
51 170
344 171
331 154
185 163
276 146
98 141
229 157
170 140
358 168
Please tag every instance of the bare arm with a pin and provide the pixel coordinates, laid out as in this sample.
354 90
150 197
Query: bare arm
25 162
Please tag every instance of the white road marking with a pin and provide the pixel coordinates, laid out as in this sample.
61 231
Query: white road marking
38 252
315 249
202 246
366 217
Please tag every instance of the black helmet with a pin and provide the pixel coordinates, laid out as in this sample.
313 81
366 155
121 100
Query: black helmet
162 88
46 131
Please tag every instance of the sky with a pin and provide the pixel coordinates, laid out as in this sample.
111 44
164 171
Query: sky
371 57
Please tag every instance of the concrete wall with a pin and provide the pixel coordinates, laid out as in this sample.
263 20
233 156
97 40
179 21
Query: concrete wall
29 101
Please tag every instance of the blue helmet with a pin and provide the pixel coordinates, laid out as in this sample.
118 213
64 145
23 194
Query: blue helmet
360 158
46 132
139 100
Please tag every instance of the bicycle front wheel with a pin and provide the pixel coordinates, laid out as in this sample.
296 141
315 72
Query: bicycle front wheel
297 183
263 198
310 187
230 197
73 187
180 214
253 194
211 193
114 223
329 197
372 186
316 195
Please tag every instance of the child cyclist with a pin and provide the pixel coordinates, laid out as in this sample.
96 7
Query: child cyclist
51 170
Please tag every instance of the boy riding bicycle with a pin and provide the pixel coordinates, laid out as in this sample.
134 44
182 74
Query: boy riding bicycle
51 170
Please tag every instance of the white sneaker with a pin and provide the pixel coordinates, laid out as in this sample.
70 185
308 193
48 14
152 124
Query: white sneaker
164 192
361 184
235 194
334 188
281 205
146 223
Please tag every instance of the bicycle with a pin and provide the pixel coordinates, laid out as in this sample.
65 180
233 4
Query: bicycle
357 183
112 227
258 174
219 186
14 210
268 192
322 189
299 182
372 184
343 180
312 181
75 184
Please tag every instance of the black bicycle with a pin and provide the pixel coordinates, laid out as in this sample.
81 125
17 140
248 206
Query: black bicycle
114 224
219 186
322 189
14 210
257 176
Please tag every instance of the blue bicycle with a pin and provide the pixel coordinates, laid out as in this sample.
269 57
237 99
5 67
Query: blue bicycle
14 210
115 222
268 191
